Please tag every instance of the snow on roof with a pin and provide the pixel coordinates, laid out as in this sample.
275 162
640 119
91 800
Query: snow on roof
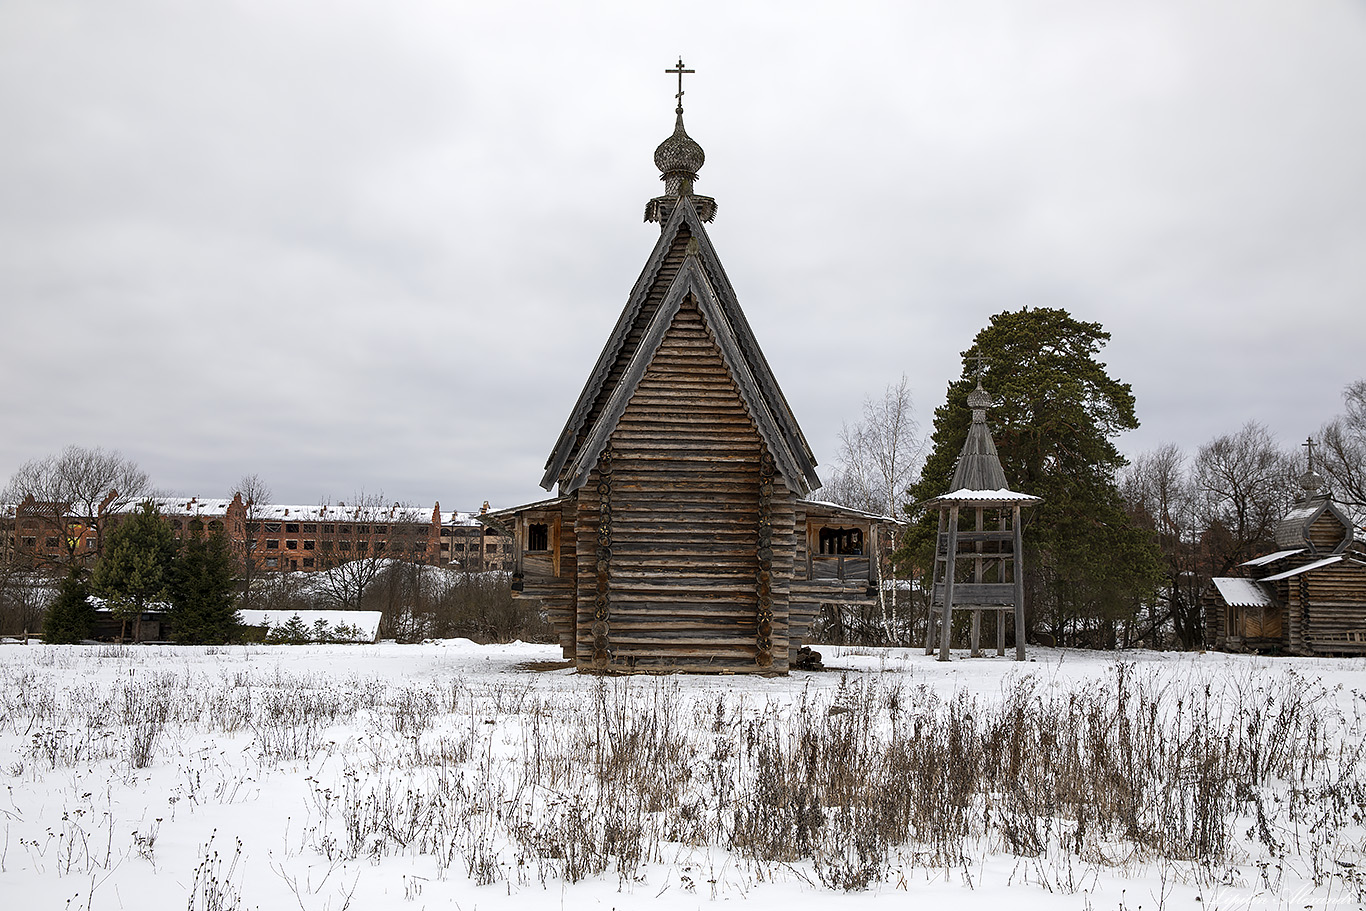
1318 564
458 518
851 510
967 495
1272 558
1243 593
340 512
183 506
367 621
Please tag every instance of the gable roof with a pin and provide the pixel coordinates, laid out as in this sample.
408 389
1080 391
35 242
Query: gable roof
702 278
1293 530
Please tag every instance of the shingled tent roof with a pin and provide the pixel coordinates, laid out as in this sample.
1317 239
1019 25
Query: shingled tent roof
978 476
683 264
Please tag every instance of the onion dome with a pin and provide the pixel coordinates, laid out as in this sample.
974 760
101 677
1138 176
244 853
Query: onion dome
679 158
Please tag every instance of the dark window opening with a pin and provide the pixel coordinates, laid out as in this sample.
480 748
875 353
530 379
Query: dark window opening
843 541
308 562
538 536
292 527
272 544
308 545
273 526
291 545
309 527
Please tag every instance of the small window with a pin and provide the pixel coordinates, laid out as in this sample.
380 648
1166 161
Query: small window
843 541
381 529
253 527
51 542
308 562
327 529
30 542
272 562
362 546
308 545
379 547
273 526
538 536
343 545
446 545
89 543
460 548
292 527
291 545
309 528
362 529
272 544
344 529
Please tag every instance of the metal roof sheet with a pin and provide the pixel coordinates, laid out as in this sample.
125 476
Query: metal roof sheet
1317 564
1243 592
1272 558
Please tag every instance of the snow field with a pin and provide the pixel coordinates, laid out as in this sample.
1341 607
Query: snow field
457 775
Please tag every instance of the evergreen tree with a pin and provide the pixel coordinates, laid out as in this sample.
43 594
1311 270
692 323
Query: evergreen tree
71 617
1087 566
203 592
134 570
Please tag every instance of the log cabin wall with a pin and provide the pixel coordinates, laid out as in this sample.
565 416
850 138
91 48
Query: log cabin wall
1334 607
678 509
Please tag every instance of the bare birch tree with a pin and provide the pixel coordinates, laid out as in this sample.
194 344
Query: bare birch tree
255 493
879 458
69 493
1342 453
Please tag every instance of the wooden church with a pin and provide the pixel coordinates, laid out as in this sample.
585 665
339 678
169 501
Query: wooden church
680 538
1308 597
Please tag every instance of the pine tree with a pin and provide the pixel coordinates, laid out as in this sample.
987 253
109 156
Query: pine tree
71 617
133 572
1056 415
203 592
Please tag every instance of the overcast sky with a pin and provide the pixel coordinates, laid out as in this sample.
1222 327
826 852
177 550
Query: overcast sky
362 245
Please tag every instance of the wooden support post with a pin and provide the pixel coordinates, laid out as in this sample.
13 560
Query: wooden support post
946 614
978 576
934 581
1001 564
1018 569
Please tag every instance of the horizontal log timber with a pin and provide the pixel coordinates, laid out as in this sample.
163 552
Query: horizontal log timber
1000 594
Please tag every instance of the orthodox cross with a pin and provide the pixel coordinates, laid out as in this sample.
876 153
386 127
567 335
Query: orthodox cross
1309 445
980 362
680 71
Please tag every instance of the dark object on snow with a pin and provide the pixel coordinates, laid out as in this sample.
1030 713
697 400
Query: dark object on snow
808 659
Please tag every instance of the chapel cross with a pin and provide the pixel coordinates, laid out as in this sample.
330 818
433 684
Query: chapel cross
980 364
1309 445
680 71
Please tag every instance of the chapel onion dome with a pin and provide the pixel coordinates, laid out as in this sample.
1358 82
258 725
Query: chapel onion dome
679 158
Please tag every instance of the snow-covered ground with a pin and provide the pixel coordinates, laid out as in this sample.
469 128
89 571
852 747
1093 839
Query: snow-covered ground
454 775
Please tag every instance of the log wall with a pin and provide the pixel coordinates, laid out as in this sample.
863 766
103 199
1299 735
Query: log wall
671 569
